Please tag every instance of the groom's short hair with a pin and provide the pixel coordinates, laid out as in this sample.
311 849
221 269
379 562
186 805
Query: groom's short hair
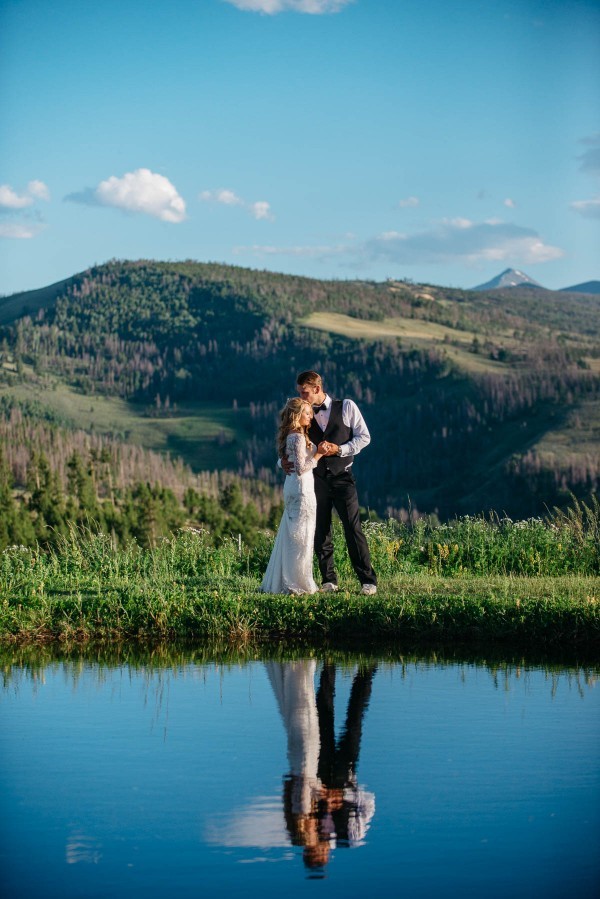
309 377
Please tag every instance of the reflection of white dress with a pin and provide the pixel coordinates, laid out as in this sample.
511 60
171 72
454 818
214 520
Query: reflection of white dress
291 563
294 689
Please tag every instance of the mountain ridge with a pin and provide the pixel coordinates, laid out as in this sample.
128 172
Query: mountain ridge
30 301
591 287
511 277
472 406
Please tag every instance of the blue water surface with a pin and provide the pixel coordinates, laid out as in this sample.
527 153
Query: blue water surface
308 777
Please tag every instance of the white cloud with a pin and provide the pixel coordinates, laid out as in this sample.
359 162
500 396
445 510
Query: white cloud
272 7
458 223
139 191
409 202
510 203
461 240
28 224
455 240
227 197
259 209
19 230
38 190
588 208
10 199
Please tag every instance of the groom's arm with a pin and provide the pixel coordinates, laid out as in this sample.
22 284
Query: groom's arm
285 464
352 418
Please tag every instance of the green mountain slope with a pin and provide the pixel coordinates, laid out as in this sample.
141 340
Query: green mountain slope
31 301
473 399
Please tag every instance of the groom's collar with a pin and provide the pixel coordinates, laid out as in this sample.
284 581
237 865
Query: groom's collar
324 406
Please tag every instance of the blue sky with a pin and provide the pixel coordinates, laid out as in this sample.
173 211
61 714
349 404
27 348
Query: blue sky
332 138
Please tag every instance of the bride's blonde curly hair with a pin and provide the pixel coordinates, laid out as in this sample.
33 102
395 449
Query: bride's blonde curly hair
289 420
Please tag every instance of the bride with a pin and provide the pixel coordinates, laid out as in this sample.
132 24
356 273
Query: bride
291 563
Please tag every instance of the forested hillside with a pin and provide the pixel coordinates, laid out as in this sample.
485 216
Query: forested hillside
53 478
475 401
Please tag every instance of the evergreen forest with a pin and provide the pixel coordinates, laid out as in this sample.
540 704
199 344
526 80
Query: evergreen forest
140 397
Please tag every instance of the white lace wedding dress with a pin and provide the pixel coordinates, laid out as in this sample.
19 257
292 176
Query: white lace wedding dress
291 563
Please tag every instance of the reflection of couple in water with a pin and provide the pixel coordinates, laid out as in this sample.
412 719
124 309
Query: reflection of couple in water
324 806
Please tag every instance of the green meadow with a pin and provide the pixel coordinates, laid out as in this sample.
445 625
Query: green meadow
413 333
473 581
205 435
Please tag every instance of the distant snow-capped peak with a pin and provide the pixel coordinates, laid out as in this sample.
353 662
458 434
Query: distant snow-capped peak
510 277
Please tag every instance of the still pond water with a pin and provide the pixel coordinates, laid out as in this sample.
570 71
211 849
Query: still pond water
189 776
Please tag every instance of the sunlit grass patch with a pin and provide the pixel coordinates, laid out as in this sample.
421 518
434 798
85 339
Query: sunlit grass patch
413 332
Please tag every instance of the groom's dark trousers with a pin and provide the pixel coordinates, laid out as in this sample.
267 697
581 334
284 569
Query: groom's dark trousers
339 492
335 488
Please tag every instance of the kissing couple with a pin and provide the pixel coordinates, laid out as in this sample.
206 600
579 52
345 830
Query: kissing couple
317 440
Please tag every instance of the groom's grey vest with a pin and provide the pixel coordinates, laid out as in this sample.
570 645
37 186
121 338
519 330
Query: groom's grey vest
335 432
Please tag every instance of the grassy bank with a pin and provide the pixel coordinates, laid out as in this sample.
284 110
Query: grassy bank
477 580
563 611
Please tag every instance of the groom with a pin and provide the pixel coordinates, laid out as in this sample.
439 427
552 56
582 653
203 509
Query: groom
340 432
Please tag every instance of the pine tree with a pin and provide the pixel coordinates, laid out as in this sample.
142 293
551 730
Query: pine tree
47 501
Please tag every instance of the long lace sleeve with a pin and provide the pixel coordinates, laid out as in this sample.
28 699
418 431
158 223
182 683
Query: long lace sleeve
299 454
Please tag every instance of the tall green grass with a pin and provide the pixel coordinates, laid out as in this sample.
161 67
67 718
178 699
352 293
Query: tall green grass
475 578
563 543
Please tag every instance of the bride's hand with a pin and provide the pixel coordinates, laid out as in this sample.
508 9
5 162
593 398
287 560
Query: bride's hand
328 449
